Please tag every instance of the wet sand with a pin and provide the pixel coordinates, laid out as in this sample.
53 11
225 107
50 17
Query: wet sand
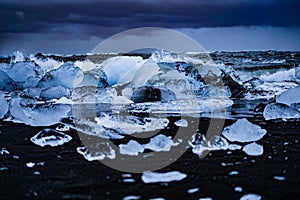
67 175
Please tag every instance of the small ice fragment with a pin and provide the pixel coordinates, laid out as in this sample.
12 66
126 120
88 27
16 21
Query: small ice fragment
182 123
234 147
16 157
37 173
243 131
238 189
97 152
128 180
192 190
62 127
131 197
279 178
280 111
50 137
3 168
126 175
253 149
3 105
160 143
159 198
154 177
30 164
4 151
233 173
205 198
250 197
132 148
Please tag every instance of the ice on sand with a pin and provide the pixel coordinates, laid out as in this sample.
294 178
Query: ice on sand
290 96
34 113
132 148
251 197
3 105
160 143
50 137
253 149
243 131
97 151
67 75
200 144
280 111
155 177
181 122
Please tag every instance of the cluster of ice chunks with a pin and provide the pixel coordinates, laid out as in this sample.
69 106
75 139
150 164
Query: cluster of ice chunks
286 106
241 131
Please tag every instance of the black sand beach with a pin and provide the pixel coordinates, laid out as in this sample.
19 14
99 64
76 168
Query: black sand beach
62 173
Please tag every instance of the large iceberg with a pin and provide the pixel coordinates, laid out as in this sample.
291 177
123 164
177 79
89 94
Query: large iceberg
25 74
34 113
67 75
243 131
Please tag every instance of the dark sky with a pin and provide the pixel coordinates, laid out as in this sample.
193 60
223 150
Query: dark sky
65 26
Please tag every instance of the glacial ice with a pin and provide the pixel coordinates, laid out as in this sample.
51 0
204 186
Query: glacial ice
243 131
132 148
297 72
94 77
25 74
67 75
3 105
280 111
154 177
6 83
119 66
34 113
181 122
98 151
251 197
200 144
54 93
50 137
253 149
290 96
160 143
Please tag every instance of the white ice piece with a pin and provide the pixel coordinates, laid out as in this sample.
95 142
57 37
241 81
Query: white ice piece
280 111
181 122
160 143
253 149
155 177
243 131
290 96
132 148
251 197
50 137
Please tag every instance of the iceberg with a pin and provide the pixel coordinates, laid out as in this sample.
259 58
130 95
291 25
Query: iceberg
50 137
243 131
155 177
253 149
25 74
280 111
67 75
290 96
34 113
3 105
